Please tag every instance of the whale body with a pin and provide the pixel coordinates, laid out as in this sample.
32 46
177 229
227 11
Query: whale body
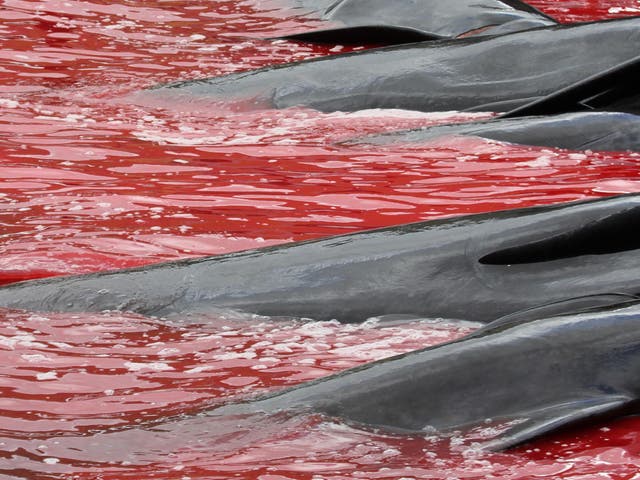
528 378
493 74
477 267
596 131
401 21
600 112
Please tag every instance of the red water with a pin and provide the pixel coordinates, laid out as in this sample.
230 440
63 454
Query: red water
91 180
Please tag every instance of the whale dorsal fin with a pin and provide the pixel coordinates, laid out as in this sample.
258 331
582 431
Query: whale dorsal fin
552 418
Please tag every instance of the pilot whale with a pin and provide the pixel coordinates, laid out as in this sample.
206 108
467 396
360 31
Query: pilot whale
596 131
491 74
476 267
600 112
401 21
527 378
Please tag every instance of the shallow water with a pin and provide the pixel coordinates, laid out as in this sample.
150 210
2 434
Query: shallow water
92 177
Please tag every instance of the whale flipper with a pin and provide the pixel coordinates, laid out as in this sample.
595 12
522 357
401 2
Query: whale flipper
552 418
609 234
365 34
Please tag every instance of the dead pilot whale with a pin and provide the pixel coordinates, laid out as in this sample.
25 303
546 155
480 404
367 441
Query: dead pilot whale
600 112
494 74
384 23
534 377
596 131
476 267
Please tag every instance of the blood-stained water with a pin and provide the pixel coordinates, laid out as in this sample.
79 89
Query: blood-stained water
93 178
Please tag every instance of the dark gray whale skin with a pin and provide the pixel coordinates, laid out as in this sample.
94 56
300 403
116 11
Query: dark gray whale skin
493 73
476 267
422 18
547 374
596 131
